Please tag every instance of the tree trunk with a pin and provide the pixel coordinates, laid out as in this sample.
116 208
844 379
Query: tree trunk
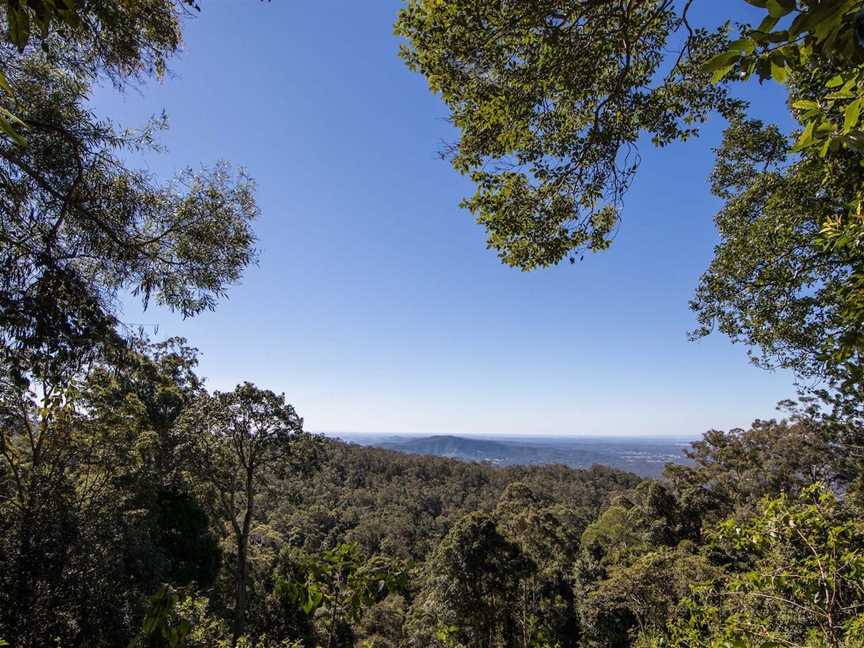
242 561
24 580
240 591
334 611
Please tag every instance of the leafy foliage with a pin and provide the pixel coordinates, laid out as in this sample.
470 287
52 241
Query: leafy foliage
342 585
797 577
239 439
93 503
129 37
810 33
550 99
474 575
806 205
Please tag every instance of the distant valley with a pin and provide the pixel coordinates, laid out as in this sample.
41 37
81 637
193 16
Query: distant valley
645 457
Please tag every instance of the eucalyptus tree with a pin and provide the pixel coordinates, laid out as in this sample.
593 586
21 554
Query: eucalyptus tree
77 223
114 28
472 588
242 441
78 227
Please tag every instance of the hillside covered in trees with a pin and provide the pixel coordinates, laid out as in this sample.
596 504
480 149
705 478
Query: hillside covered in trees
140 508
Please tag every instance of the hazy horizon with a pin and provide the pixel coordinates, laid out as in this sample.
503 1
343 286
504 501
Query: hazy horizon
523 436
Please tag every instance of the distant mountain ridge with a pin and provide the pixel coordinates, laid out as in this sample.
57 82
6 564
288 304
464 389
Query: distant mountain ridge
644 457
447 445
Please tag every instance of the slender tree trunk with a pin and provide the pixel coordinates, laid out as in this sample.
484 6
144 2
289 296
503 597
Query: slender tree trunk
24 578
240 591
336 602
242 561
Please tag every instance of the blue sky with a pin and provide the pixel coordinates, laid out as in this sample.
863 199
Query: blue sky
375 306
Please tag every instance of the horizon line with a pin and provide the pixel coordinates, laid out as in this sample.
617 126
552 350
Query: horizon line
571 435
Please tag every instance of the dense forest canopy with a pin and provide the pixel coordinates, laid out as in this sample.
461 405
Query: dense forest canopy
139 508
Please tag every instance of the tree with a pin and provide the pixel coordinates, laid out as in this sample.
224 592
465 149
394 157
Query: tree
795 576
145 392
775 284
473 580
550 99
642 596
548 535
340 583
242 439
811 32
94 506
77 225
730 472
110 26
799 288
636 560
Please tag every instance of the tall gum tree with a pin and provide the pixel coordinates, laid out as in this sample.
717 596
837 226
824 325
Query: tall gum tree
242 440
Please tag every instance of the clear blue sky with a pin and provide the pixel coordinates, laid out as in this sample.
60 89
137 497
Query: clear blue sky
375 306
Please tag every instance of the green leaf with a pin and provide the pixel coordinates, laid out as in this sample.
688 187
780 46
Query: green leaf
8 121
797 25
835 81
827 24
852 115
805 104
746 45
721 73
806 137
722 60
778 71
767 24
780 8
4 83
19 27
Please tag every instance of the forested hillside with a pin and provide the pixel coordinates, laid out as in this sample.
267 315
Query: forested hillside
134 503
404 504
140 508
